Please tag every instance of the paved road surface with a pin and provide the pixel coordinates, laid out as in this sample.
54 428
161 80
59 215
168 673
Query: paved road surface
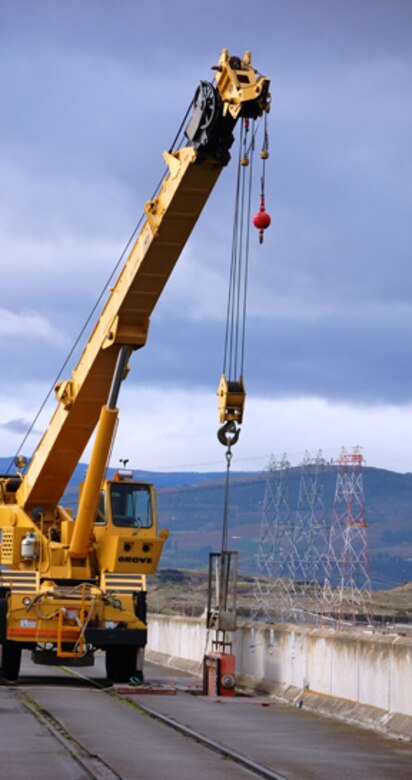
110 737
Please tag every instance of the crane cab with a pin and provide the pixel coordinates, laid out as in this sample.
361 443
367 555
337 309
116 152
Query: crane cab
126 526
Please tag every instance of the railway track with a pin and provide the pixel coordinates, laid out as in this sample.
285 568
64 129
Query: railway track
82 729
92 765
95 767
253 766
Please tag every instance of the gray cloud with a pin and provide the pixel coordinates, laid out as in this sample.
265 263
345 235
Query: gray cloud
91 95
19 426
335 358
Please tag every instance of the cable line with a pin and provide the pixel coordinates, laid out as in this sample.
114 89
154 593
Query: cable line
96 304
234 344
75 344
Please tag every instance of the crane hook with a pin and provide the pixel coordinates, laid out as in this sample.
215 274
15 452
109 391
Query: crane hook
228 434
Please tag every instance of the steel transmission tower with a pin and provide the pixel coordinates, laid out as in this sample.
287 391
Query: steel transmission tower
273 592
347 590
310 540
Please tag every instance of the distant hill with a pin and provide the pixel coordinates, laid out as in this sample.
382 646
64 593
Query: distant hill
194 515
159 478
191 507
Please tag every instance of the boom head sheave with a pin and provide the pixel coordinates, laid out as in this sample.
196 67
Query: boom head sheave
239 91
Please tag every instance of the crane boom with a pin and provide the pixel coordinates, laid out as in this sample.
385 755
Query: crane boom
170 217
124 322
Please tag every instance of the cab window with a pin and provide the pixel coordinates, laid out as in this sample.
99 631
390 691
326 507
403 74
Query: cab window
131 505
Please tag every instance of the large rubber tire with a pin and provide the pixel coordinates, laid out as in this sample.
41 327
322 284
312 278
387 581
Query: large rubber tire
121 661
11 659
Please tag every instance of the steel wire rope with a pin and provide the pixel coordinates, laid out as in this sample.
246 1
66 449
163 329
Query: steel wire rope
176 138
256 126
96 304
235 330
240 258
225 522
228 348
75 344
246 274
265 151
236 307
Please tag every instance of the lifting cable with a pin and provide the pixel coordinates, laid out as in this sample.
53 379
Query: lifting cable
73 348
262 220
78 338
234 349
235 333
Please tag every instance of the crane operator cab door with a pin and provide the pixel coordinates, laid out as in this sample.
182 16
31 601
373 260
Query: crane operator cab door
125 527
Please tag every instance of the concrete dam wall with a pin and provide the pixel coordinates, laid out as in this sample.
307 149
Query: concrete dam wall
357 675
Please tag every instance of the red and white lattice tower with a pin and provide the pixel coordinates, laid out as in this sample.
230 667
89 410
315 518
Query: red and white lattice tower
347 589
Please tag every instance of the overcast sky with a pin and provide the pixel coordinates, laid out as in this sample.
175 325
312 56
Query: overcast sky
91 94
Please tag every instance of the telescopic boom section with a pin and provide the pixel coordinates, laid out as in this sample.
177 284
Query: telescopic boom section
192 173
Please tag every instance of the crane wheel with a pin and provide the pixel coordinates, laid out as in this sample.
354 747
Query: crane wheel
121 661
11 659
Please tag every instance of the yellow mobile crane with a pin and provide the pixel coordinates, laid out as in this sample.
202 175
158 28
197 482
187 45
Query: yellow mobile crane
71 586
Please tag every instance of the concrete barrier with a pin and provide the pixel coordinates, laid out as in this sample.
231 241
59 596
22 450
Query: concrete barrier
360 676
